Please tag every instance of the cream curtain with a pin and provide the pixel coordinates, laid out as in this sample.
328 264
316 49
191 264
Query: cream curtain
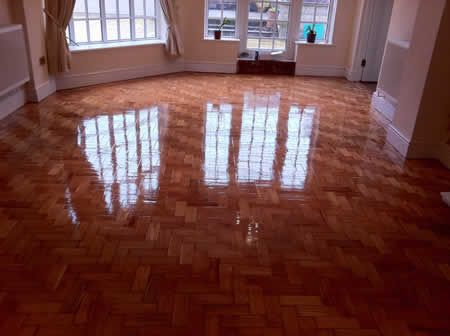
173 44
58 13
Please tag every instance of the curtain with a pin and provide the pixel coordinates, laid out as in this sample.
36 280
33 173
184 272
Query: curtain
173 44
58 13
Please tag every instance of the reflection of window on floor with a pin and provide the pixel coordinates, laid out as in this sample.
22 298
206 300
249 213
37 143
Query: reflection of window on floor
124 150
217 143
300 125
258 137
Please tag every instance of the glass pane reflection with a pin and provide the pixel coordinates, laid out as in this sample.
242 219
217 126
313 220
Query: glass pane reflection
124 150
258 137
217 143
298 142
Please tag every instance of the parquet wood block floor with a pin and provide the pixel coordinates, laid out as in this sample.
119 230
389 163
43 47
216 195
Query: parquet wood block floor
202 204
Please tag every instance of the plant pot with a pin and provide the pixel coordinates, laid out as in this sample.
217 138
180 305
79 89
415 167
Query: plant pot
311 38
217 34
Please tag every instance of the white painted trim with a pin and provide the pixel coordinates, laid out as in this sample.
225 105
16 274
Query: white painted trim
384 104
319 70
69 81
210 67
398 140
14 86
12 101
416 149
42 91
352 75
122 44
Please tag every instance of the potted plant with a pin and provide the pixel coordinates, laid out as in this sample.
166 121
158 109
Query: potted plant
218 31
311 36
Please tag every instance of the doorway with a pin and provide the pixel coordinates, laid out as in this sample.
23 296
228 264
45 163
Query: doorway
377 16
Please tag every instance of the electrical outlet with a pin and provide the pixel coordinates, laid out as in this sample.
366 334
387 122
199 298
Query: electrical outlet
42 60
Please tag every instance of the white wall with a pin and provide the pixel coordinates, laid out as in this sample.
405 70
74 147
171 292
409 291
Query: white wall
410 132
332 60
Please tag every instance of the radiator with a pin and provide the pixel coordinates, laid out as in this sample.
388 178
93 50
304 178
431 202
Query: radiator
392 68
14 71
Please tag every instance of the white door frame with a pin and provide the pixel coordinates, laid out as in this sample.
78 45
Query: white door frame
355 72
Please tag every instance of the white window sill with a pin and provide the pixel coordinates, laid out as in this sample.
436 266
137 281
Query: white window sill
317 44
224 39
124 44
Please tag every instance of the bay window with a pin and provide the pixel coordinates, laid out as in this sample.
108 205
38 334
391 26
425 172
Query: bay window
270 26
105 21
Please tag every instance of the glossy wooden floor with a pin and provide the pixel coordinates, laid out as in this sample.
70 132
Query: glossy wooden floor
218 205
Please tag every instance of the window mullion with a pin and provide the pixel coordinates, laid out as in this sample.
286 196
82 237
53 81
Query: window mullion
103 20
71 32
119 37
157 20
132 21
86 12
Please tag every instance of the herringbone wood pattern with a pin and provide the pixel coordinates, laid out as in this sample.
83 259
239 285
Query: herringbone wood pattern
218 205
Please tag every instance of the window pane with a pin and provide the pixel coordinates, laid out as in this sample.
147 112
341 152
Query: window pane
80 31
283 12
307 14
125 29
110 8
218 10
139 27
213 24
94 9
282 29
254 28
322 14
268 21
229 30
252 43
151 31
150 7
229 9
280 45
124 8
265 44
79 10
111 30
95 30
139 7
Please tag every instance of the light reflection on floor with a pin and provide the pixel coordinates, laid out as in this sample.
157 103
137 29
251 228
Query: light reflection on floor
125 151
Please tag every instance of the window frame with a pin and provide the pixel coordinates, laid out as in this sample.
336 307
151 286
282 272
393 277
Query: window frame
103 22
289 3
330 22
206 20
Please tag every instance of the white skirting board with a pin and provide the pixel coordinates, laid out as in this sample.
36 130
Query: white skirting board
69 81
384 104
44 90
418 150
398 140
12 101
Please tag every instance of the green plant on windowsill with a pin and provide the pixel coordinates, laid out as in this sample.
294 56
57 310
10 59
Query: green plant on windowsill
311 34
218 31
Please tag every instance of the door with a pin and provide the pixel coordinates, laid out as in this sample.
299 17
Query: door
378 19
